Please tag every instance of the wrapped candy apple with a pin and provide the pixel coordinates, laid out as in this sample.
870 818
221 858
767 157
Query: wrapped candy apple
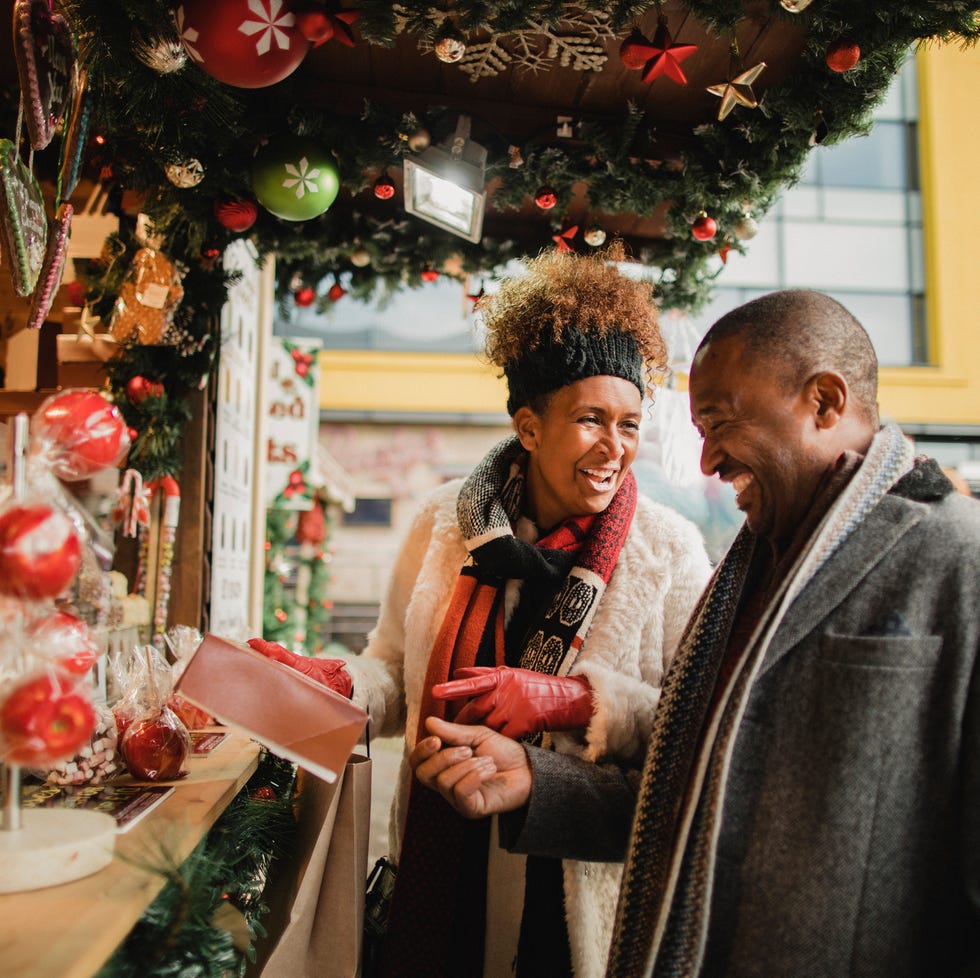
155 746
78 432
154 743
182 640
95 761
45 718
40 551
138 674
64 639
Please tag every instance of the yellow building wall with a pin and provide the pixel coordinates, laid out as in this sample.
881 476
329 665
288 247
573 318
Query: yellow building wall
378 381
948 392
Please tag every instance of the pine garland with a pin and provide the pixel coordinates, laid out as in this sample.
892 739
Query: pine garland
639 165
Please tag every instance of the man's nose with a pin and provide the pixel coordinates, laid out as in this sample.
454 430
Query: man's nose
710 456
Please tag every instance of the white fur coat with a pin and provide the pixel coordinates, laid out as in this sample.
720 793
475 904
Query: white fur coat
661 571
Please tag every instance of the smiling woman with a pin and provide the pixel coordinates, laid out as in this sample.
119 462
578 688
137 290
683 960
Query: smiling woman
543 596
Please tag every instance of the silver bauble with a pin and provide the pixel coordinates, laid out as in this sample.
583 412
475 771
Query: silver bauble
360 257
450 46
419 140
595 237
185 175
747 228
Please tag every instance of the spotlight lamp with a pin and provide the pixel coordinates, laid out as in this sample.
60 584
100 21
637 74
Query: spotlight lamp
445 184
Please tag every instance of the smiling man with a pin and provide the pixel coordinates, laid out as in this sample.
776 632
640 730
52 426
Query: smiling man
810 800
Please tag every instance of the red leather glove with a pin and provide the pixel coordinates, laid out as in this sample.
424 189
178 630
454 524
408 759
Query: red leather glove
329 672
517 702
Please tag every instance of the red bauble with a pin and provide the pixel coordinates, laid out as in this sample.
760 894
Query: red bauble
80 433
635 51
45 720
66 640
138 389
154 748
384 188
236 215
336 291
843 55
546 198
39 551
246 43
304 297
429 275
704 228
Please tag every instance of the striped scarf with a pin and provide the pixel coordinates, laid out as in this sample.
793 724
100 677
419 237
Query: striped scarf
436 924
662 917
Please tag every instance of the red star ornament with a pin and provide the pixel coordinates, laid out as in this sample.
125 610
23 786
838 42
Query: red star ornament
723 252
666 57
737 90
564 240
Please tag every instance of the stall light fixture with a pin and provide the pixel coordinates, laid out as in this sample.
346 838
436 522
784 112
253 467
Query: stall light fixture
445 184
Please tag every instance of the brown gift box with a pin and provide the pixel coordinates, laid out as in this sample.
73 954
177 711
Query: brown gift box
294 716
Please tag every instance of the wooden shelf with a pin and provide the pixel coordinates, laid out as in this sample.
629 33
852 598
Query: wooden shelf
70 931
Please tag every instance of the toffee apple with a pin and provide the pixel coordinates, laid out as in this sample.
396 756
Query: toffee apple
154 747
40 552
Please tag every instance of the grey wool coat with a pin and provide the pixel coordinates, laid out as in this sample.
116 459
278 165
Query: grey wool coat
849 844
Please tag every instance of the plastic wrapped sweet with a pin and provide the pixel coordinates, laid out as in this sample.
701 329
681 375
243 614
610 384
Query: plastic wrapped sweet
45 717
40 551
78 432
94 762
182 640
147 298
155 746
65 640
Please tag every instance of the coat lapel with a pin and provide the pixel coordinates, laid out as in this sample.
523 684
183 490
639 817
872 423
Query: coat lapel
844 571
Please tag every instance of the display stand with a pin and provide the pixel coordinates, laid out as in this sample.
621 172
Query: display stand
45 848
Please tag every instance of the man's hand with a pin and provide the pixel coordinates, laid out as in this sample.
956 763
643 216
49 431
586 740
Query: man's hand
478 771
519 701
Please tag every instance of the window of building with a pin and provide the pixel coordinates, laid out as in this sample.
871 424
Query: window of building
368 511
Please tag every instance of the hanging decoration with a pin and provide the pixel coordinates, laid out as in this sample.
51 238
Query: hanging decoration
843 55
52 267
564 239
747 228
235 215
594 237
295 178
22 219
546 198
704 227
186 174
246 43
321 25
384 187
737 90
450 45
164 55
658 57
44 49
336 292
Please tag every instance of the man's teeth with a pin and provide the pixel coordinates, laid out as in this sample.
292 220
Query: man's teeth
741 482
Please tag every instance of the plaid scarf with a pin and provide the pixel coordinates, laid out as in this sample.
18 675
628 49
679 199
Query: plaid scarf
438 911
662 916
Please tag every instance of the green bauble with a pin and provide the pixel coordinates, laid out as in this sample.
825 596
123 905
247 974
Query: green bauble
294 178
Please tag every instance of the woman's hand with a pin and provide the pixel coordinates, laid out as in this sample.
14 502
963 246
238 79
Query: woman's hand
329 672
517 702
478 771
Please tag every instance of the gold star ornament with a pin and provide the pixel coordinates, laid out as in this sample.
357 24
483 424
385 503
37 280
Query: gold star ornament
737 90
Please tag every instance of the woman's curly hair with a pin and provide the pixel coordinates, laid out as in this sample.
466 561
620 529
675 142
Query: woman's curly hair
562 289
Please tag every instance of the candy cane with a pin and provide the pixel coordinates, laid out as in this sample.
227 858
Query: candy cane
168 536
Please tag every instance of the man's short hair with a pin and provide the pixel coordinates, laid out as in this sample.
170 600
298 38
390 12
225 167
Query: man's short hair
800 332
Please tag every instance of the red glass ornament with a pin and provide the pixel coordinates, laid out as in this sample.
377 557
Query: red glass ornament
138 389
704 228
45 720
40 552
546 198
246 43
384 188
336 291
843 55
236 215
304 297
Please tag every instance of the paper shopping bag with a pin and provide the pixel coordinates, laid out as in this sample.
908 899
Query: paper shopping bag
316 916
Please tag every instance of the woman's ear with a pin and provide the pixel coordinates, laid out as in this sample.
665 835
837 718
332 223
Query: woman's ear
527 425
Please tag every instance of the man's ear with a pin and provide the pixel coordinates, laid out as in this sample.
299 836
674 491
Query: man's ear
527 425
829 395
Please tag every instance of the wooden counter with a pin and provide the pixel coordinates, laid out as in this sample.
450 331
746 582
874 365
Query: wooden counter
70 931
